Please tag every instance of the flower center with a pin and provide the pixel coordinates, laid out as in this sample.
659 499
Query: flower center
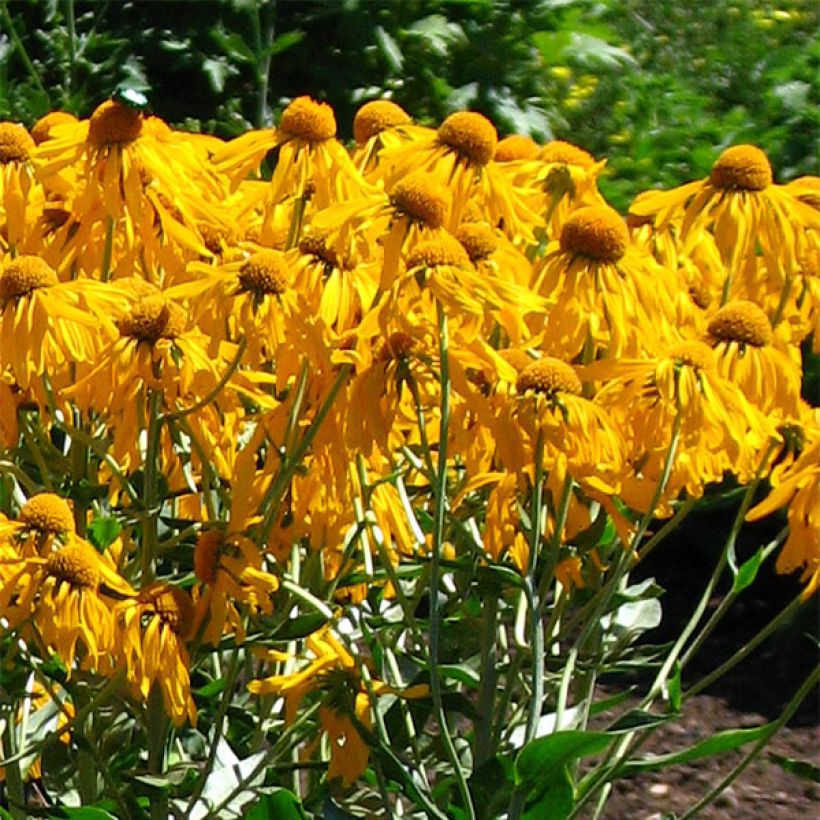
549 376
742 322
478 240
15 143
471 135
377 116
113 123
75 564
315 244
152 318
172 606
398 346
742 167
567 154
516 146
810 263
421 197
308 120
435 252
25 274
595 232
48 514
264 273
41 129
693 354
206 555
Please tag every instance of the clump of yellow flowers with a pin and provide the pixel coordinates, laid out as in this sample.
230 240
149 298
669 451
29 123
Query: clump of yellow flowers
344 462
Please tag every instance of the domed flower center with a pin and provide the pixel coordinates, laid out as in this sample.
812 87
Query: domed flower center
172 606
596 232
75 564
314 243
693 354
152 318
435 252
478 240
264 273
113 123
810 263
16 143
742 167
48 514
23 275
421 197
742 322
516 146
41 130
377 116
206 555
398 346
308 120
567 154
549 376
471 135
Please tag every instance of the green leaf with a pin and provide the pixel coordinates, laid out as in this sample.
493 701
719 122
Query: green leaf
747 572
802 768
281 804
211 689
547 753
491 785
639 719
556 801
103 531
461 673
282 43
299 627
86 813
719 743
390 48
674 688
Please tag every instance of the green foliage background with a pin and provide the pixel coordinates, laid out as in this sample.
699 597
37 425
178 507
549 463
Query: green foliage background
658 88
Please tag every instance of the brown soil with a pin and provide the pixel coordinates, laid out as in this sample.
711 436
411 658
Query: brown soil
755 692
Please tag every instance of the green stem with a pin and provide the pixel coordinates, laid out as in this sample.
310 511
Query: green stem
774 727
108 250
20 48
150 482
157 730
747 649
483 746
15 789
435 566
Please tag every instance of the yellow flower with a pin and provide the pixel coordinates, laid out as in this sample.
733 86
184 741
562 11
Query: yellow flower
16 181
153 630
43 324
229 568
798 485
767 372
609 297
377 124
739 204
61 598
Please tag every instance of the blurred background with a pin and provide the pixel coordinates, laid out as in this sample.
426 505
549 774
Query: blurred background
658 88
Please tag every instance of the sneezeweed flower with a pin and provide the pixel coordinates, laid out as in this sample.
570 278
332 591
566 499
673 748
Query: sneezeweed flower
377 125
767 371
229 569
154 351
311 162
416 207
45 325
338 287
460 153
798 486
45 521
332 670
720 431
515 147
153 630
742 207
609 297
577 435
16 181
61 600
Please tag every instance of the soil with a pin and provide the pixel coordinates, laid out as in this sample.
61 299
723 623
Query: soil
753 693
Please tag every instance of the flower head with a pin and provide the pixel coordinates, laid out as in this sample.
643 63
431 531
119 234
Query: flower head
377 116
596 233
114 123
422 198
16 143
742 167
308 120
471 135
